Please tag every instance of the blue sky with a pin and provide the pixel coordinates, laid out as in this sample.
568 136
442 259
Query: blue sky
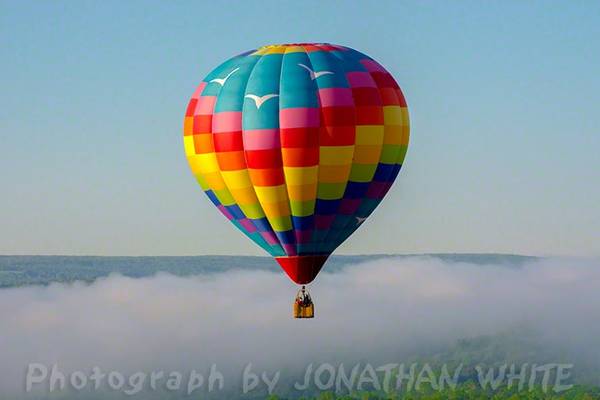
503 98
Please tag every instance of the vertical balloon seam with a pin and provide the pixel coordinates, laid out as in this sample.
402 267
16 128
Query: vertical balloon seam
287 194
331 235
276 248
275 237
268 247
281 141
252 186
285 187
347 230
324 240
335 238
389 176
269 250
365 209
323 245
314 243
220 171
198 174
335 233
256 238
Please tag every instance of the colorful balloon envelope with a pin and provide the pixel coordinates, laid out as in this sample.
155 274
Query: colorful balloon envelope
297 144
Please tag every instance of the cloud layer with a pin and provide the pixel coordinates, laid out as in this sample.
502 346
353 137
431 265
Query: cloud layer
378 312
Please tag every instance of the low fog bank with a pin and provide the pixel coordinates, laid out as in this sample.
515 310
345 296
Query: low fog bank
382 311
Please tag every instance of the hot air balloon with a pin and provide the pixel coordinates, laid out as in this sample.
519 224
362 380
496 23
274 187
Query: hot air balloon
297 144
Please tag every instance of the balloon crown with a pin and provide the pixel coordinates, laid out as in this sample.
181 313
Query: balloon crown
293 44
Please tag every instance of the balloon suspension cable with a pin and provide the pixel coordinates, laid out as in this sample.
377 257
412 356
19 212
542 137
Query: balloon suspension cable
303 305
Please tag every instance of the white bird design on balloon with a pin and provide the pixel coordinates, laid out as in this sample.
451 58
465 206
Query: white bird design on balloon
221 81
360 220
315 74
259 100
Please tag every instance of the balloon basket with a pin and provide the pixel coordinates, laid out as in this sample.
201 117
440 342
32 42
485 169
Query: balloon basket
303 305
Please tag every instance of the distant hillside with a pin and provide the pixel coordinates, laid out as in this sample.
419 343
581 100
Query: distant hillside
42 270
